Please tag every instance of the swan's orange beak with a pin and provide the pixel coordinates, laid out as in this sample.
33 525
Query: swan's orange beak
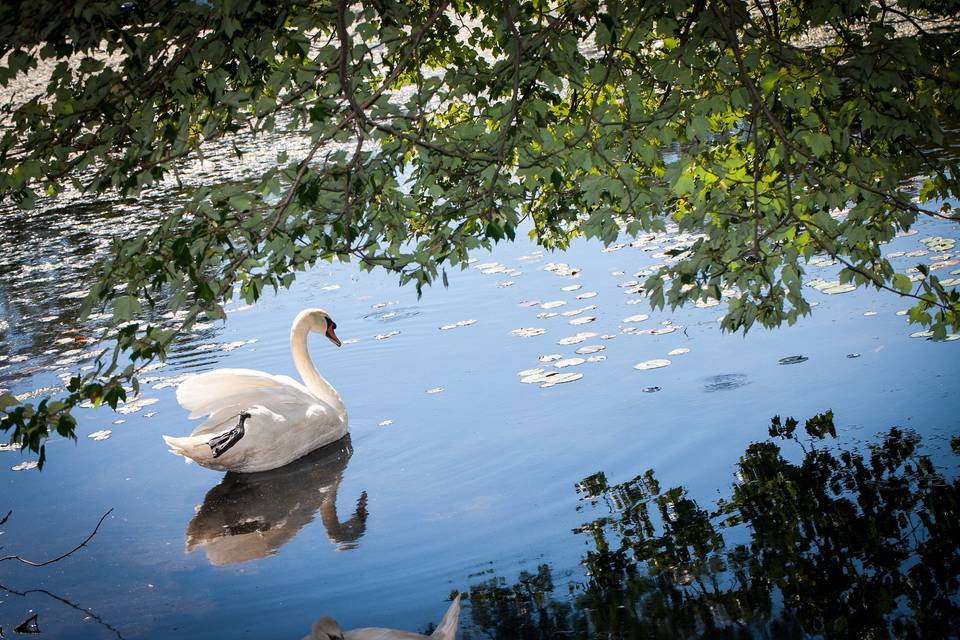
333 335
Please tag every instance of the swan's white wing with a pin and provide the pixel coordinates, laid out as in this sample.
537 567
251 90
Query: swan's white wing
224 393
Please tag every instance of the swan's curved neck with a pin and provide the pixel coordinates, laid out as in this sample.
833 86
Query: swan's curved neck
308 372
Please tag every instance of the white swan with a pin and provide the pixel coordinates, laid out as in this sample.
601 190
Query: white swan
328 629
257 421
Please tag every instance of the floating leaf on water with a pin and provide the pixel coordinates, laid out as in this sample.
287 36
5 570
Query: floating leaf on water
950 282
903 312
608 336
553 357
679 351
616 274
792 360
505 283
529 303
951 337
459 323
922 334
637 318
572 312
385 423
561 378
568 362
82 293
435 390
553 304
869 314
599 358
660 331
485 265
103 434
528 332
590 348
9 447
537 378
650 389
614 247
119 421
705 304
351 341
385 336
530 372
587 294
916 254
584 320
635 300
136 405
629 284
25 466
543 315
839 288
149 414
656 363
853 355
571 287
580 337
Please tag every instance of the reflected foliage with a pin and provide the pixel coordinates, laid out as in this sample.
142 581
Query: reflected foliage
813 539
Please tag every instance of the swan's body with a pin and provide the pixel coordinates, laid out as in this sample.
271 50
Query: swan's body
257 421
328 629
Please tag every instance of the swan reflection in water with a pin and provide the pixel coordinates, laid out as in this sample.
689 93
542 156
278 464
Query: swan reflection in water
251 515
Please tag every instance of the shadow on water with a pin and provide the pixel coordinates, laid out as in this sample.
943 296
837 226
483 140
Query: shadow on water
251 515
843 543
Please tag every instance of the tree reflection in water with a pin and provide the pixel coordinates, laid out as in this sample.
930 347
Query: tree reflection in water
844 543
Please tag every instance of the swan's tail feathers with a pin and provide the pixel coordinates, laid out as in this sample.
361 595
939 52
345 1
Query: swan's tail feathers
447 629
192 448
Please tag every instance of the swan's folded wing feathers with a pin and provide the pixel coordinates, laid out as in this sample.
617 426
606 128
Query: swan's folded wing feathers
231 390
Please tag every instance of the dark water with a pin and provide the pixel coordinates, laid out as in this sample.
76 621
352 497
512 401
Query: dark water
459 477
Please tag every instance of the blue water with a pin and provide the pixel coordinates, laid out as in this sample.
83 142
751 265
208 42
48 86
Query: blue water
468 482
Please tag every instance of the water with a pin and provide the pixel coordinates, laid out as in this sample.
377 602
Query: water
437 490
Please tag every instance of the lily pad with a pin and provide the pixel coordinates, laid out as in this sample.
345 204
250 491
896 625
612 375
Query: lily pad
580 337
679 351
571 287
385 423
839 288
561 378
569 362
553 357
656 363
637 318
583 320
458 324
528 332
587 294
553 304
590 348
104 434
792 360
25 466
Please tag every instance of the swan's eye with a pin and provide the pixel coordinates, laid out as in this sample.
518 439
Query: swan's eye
331 323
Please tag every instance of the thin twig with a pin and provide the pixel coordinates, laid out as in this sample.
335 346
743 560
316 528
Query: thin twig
87 612
61 557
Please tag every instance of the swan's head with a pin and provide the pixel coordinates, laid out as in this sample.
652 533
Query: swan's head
325 629
321 322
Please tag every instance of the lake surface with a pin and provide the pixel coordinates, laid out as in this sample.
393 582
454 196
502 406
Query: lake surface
456 476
